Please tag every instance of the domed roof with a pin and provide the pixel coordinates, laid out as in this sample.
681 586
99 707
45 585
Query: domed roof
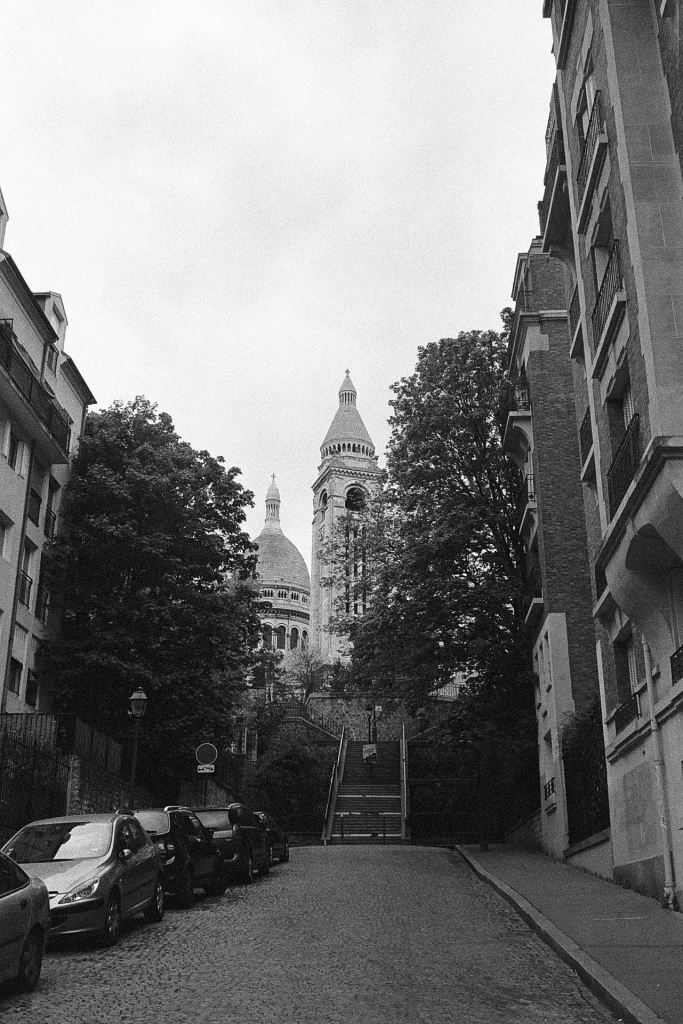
347 424
279 561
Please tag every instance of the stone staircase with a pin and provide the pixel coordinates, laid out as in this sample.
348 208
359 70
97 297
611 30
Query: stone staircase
368 806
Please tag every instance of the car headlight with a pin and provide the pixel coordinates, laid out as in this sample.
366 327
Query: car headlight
82 892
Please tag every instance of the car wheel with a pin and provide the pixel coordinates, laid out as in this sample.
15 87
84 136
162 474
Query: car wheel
186 889
30 962
155 911
285 856
112 921
248 869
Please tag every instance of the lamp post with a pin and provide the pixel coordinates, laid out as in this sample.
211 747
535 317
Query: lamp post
138 706
369 711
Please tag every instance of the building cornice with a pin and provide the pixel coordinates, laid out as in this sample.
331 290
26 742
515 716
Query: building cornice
73 375
15 280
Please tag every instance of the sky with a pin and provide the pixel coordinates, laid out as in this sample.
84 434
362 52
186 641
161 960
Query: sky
240 199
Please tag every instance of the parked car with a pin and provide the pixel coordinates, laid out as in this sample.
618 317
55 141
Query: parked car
24 925
190 856
240 838
278 841
99 869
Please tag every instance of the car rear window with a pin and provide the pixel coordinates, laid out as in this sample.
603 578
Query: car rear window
64 840
214 819
156 823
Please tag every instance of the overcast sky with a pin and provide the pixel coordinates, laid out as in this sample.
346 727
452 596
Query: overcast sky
239 199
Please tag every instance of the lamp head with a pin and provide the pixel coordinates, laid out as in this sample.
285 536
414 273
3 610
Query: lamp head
138 703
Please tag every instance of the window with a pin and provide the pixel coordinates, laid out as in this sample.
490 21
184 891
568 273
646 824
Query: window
282 594
31 696
13 460
294 596
5 533
52 355
267 636
294 639
15 670
11 876
281 638
50 521
629 670
25 578
355 499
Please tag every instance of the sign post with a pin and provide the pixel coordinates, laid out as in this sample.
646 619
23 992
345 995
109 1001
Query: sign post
206 754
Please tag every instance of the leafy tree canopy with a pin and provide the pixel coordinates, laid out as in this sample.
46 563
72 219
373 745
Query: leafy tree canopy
156 579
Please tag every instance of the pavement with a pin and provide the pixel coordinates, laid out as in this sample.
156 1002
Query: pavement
624 946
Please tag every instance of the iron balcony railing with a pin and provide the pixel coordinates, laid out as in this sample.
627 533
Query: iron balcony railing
518 396
31 388
574 312
530 489
49 524
624 465
34 503
549 788
25 584
627 712
677 665
555 160
585 436
589 146
611 284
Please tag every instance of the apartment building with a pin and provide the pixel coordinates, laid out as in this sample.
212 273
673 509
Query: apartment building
43 403
612 212
542 439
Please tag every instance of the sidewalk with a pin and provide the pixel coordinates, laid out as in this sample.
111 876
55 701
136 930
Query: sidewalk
623 946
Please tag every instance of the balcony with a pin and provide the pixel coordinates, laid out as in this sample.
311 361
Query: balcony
609 309
25 585
25 384
627 712
49 524
590 165
34 503
553 210
624 465
518 426
529 521
575 328
549 788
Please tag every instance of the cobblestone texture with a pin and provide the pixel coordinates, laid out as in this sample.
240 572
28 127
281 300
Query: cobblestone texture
370 934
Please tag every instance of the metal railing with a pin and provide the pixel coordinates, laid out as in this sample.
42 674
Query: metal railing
589 146
624 465
33 510
574 312
549 788
585 436
611 284
337 767
677 665
517 396
25 584
31 388
627 712
585 777
530 489
555 159
299 709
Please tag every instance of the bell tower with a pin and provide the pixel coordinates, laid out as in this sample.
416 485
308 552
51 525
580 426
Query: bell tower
348 477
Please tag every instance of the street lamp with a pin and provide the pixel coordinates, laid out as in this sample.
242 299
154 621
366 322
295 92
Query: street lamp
369 711
138 706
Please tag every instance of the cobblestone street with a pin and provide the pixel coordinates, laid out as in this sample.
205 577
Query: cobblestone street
365 933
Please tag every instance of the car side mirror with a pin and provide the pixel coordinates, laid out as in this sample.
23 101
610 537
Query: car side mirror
125 853
210 832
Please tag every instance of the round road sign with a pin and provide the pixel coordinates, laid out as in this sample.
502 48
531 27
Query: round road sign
206 753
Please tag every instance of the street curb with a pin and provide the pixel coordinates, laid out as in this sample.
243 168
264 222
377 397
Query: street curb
604 985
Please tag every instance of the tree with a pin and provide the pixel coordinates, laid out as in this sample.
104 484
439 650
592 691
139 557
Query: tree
304 672
292 779
443 562
157 587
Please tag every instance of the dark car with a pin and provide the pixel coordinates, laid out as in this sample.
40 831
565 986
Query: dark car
240 838
99 869
278 842
24 925
191 859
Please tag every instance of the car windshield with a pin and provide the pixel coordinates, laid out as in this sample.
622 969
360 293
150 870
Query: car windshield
63 840
214 819
155 822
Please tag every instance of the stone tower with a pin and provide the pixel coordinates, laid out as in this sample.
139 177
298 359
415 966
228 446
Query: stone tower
347 478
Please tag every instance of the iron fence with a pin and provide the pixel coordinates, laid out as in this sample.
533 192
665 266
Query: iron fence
585 436
589 146
585 778
33 782
624 465
611 284
627 712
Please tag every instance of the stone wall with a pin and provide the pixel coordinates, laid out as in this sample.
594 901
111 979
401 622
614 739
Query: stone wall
350 711
92 790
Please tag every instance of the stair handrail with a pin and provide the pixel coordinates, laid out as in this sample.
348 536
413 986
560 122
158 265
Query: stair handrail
405 796
335 778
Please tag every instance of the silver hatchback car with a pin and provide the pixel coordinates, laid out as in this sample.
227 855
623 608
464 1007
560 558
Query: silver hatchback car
24 925
99 869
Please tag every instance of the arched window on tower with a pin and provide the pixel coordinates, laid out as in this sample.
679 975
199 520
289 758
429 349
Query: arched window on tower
294 638
355 499
281 638
304 640
267 633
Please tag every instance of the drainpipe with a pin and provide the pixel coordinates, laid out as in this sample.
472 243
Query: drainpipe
669 901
